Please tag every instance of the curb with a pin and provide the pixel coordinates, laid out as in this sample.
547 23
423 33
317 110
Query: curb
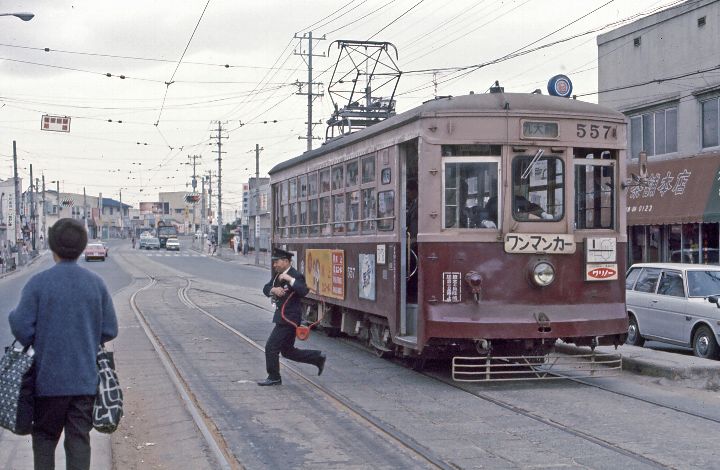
654 363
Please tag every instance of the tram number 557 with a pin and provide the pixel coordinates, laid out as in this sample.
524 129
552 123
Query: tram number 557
596 131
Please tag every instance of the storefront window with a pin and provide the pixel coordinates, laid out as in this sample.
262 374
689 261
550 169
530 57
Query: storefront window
690 243
710 239
654 244
636 244
674 246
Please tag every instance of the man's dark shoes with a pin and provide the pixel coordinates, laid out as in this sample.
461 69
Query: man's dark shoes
268 382
321 363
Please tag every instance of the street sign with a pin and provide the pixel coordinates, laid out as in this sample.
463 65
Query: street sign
55 123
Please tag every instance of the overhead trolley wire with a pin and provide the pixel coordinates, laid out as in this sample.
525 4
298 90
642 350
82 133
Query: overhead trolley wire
116 56
170 82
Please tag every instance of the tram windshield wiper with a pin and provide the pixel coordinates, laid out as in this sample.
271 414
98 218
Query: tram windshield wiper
534 160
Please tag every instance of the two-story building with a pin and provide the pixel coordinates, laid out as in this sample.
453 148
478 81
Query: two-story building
662 72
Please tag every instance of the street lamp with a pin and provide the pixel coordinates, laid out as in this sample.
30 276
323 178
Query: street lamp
22 16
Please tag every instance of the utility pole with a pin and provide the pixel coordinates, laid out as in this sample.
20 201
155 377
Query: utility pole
309 91
32 210
36 225
44 214
85 208
257 204
202 211
193 183
122 232
209 180
59 204
17 195
219 186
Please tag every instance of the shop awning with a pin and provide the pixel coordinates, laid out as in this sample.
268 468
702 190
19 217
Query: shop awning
681 190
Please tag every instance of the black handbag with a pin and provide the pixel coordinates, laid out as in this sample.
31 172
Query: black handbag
17 389
108 407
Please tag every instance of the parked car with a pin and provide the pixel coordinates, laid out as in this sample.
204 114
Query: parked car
95 251
674 303
172 244
709 255
150 243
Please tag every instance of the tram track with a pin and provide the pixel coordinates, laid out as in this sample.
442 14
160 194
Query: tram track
405 441
402 440
507 405
216 444
214 440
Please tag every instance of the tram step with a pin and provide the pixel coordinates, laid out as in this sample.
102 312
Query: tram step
406 340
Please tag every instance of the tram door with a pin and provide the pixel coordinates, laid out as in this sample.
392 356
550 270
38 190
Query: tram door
410 201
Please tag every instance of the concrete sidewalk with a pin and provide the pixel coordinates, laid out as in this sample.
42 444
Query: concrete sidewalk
25 265
693 371
227 254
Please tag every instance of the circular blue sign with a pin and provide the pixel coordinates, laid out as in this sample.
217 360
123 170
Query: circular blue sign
560 85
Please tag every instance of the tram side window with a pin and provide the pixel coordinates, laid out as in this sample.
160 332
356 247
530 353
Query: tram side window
314 212
339 213
595 190
325 214
302 182
470 193
277 208
293 219
538 188
351 174
303 228
293 189
312 183
285 220
284 186
368 210
368 169
325 180
353 211
386 210
337 177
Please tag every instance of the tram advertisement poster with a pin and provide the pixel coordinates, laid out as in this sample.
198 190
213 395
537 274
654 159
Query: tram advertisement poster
366 285
325 272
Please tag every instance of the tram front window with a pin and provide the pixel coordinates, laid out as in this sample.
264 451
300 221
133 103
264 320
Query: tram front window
538 185
469 186
595 189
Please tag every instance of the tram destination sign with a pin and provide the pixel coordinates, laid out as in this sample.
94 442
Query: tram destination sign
550 243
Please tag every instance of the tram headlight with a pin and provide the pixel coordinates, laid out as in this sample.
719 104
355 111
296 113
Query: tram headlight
543 274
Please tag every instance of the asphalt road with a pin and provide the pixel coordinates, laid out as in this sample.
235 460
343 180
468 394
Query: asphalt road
634 422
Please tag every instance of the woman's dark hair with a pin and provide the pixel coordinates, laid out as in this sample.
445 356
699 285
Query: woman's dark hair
67 238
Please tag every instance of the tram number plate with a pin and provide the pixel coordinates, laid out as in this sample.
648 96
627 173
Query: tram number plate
552 243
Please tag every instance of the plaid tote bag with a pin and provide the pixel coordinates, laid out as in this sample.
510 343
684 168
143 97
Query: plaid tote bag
17 387
108 408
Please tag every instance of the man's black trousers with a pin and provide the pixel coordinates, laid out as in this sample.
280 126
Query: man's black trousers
282 341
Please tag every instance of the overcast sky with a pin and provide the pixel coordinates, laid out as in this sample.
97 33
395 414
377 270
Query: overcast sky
144 41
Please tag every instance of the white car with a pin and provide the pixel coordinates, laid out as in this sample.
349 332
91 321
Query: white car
674 303
172 244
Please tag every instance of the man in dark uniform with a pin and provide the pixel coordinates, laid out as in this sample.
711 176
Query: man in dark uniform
286 288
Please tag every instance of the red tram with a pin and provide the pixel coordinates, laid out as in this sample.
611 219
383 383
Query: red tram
514 237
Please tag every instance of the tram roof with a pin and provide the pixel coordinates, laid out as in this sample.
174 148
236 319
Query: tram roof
517 104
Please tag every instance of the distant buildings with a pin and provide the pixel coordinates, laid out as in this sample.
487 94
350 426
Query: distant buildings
662 72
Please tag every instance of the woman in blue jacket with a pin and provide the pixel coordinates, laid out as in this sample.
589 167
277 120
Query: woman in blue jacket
65 313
